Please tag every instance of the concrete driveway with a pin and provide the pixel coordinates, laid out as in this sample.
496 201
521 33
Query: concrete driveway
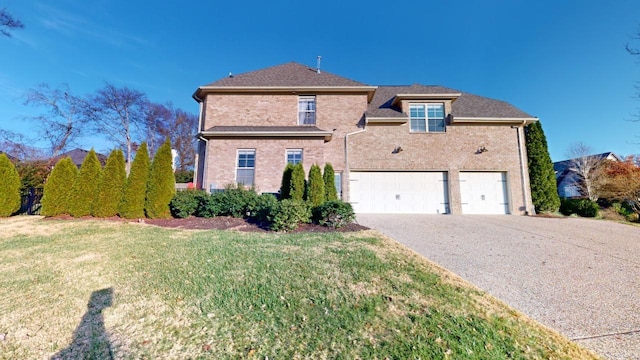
580 277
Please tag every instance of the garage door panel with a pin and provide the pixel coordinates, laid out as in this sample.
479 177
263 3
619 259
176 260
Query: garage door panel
484 193
399 192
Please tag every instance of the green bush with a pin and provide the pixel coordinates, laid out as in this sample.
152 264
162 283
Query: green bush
235 201
186 203
334 214
111 186
542 180
184 176
316 194
285 186
207 206
56 193
135 188
329 177
288 214
297 187
85 189
9 187
580 207
262 207
625 210
161 184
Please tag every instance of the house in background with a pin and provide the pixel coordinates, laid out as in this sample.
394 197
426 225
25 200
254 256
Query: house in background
77 156
567 174
395 149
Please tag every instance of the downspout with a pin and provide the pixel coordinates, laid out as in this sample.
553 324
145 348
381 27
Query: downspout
524 174
347 169
206 144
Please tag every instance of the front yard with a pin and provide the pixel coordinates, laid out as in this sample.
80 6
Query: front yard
89 288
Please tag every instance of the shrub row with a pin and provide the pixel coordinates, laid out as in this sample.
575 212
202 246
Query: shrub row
284 215
580 207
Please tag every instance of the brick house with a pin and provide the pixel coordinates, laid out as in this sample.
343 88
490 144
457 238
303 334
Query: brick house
395 149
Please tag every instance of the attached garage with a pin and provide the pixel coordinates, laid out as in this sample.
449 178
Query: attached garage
484 193
399 192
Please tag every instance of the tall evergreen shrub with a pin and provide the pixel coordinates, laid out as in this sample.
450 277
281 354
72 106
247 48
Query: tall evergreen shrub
542 179
9 187
285 186
57 189
161 185
85 189
135 188
316 194
111 186
297 187
329 177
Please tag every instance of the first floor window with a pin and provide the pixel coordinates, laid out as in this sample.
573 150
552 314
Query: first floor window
294 156
427 117
245 171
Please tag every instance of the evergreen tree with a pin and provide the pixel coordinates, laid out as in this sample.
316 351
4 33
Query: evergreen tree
544 191
10 198
135 188
111 186
285 187
316 194
161 185
57 192
85 189
297 187
330 191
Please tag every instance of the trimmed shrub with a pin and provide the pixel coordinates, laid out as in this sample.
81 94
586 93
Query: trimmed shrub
262 207
288 214
185 203
329 177
9 187
56 193
207 207
580 207
184 176
297 187
85 189
111 186
161 185
316 194
235 201
334 214
135 188
285 186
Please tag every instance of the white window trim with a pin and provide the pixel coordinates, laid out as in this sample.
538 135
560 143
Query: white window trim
426 117
286 155
315 110
246 168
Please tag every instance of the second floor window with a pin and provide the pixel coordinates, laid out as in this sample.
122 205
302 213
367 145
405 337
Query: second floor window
294 156
427 117
306 110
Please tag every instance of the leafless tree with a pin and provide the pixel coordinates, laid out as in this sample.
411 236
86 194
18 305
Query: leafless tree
17 145
586 169
62 123
183 138
119 114
8 23
159 121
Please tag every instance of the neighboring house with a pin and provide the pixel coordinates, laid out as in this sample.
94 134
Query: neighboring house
395 149
77 156
567 177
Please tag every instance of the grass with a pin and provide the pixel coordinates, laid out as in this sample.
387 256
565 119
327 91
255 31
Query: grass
74 289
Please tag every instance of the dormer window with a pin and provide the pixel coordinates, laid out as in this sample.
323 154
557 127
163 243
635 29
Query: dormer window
427 117
307 110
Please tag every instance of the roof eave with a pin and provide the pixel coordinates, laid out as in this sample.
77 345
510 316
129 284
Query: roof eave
291 134
493 120
386 120
207 89
448 96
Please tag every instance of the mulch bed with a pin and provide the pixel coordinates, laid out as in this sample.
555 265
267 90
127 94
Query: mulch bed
221 223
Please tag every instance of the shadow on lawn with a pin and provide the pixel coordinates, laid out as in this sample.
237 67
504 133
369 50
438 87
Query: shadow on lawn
90 339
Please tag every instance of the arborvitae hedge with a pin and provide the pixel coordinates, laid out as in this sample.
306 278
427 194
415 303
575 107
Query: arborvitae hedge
135 188
330 191
296 191
285 187
316 194
544 191
111 186
85 189
57 189
9 187
161 185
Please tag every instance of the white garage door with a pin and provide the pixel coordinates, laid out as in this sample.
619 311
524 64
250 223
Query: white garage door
399 192
484 193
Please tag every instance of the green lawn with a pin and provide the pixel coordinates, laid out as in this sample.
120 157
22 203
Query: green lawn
92 289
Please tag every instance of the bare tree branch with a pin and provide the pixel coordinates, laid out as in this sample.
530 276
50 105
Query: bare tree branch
16 145
586 169
8 23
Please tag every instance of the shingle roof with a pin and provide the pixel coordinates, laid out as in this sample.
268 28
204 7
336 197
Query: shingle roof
467 105
289 74
560 166
77 156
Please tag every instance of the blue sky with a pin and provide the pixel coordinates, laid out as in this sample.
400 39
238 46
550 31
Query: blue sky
562 61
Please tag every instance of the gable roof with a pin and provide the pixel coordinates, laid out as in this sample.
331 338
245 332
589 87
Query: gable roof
561 166
77 155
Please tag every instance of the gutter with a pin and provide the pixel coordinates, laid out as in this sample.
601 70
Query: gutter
524 173
206 143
